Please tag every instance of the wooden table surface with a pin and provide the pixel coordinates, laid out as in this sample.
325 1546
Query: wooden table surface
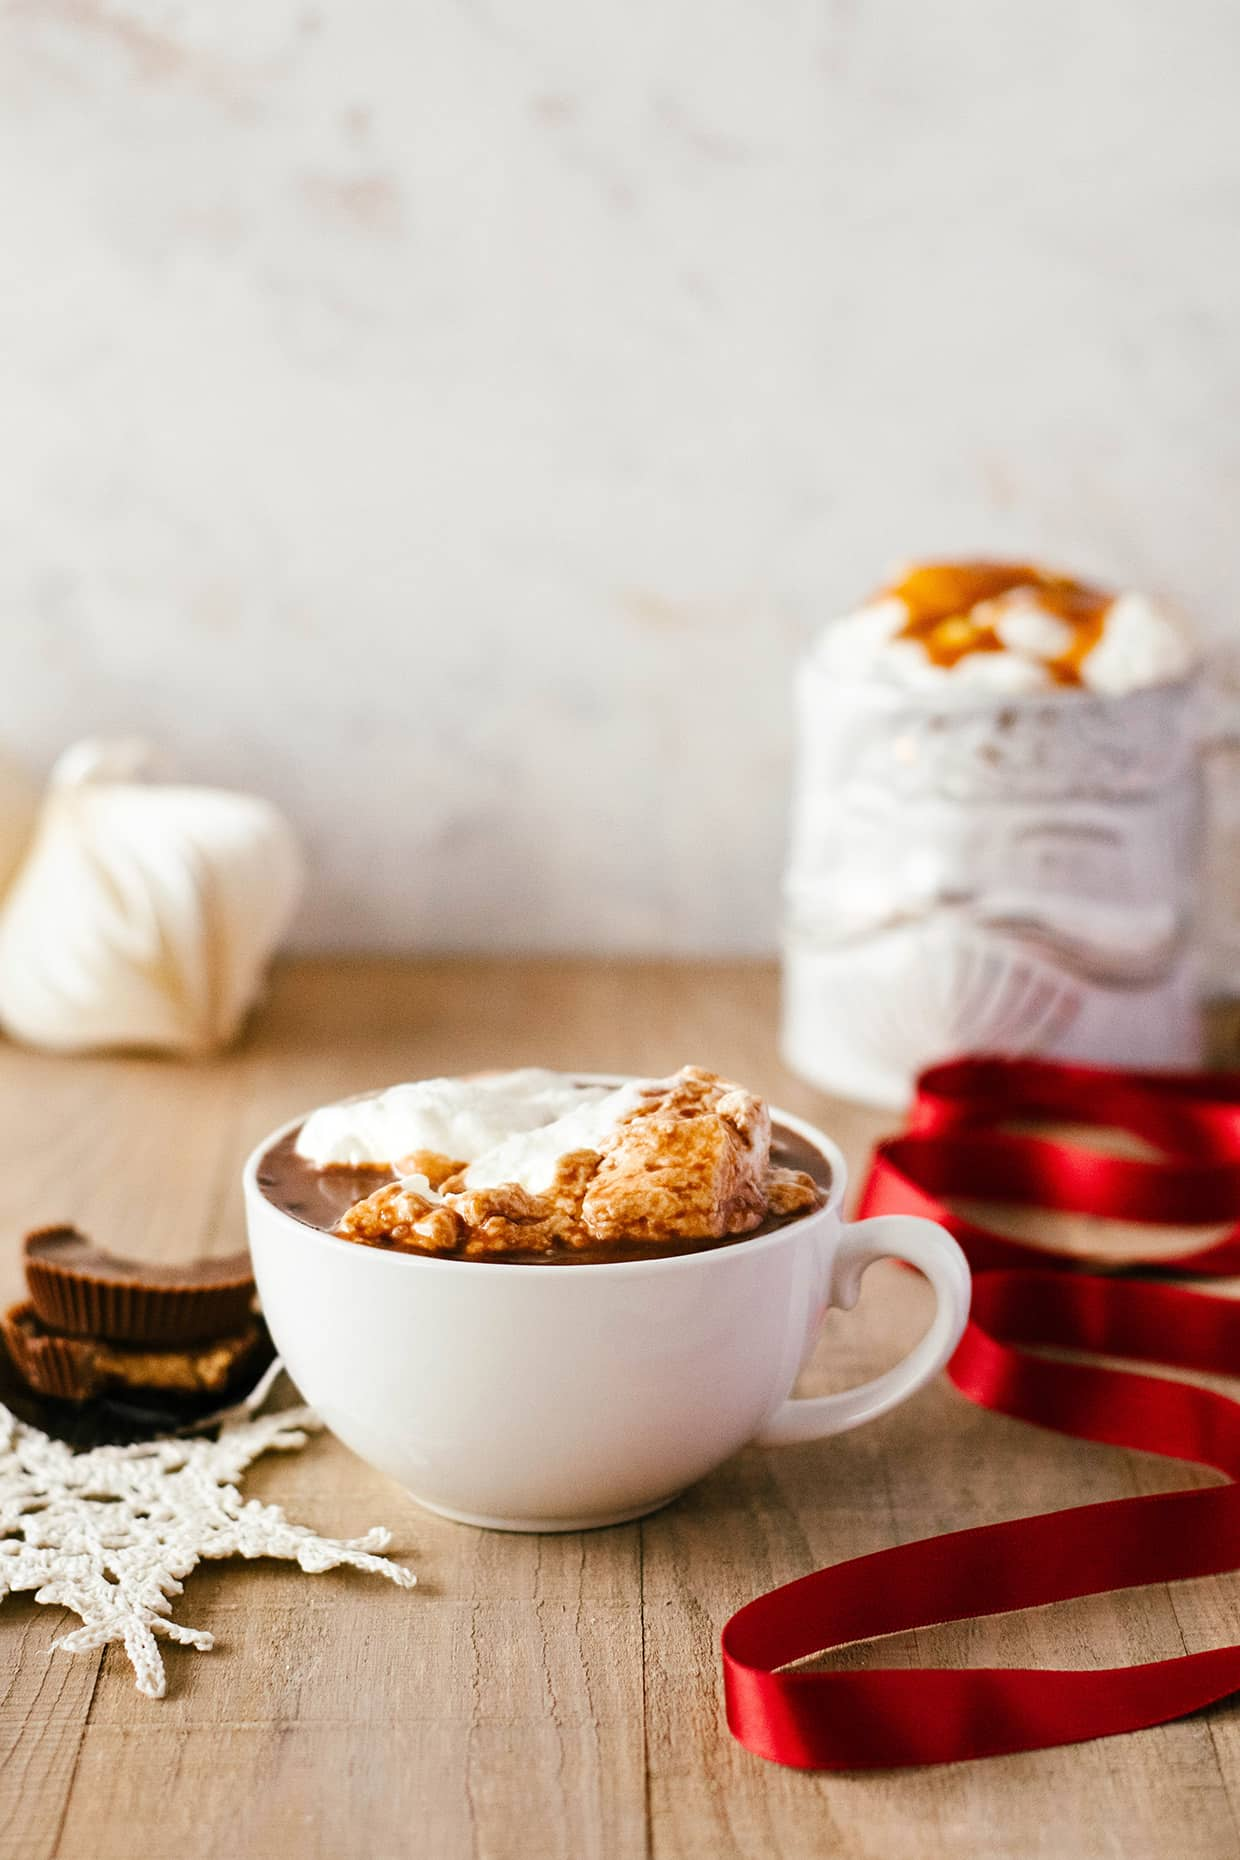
546 1696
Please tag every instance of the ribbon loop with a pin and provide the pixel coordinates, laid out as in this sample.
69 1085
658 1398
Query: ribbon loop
1028 1299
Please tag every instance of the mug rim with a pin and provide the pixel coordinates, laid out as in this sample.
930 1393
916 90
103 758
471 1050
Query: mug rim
657 1262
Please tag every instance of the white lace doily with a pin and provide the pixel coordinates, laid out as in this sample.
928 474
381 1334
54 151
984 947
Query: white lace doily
110 1532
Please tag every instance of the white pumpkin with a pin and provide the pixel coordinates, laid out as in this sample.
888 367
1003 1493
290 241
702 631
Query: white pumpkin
144 914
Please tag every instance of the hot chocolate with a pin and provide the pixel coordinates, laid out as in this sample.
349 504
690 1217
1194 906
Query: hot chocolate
547 1170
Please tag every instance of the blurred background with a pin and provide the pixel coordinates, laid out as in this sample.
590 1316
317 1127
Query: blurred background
454 421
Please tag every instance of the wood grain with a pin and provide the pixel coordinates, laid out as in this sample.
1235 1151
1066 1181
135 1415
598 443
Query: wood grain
553 1696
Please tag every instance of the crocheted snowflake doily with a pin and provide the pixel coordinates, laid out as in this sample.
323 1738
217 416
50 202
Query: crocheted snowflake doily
110 1533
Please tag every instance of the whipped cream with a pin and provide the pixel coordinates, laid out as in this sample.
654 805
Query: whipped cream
530 1157
461 1118
1138 645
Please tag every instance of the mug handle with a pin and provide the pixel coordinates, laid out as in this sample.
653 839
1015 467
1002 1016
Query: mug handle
931 1249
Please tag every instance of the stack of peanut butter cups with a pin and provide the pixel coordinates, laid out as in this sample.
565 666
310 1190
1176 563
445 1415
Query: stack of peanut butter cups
94 1324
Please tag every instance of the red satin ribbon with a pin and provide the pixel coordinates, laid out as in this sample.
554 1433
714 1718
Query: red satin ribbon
1026 1298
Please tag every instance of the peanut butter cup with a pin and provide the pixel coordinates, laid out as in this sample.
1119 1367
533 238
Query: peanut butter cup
76 1368
80 1289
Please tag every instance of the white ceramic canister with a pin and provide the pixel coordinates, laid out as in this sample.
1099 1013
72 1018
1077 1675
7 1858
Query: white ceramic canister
980 873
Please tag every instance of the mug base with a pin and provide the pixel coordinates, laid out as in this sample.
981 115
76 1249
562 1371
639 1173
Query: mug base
544 1525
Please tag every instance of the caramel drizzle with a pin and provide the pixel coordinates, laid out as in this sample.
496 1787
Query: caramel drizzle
942 598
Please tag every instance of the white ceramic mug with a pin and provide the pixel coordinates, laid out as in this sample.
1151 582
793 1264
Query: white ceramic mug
554 1398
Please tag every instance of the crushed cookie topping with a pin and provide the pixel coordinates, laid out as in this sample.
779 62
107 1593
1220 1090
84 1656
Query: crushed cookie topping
689 1162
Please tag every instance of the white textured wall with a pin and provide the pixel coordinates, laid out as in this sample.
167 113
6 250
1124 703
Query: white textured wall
452 419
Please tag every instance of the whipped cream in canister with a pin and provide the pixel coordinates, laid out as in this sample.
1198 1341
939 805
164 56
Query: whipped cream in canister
508 1126
1004 628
